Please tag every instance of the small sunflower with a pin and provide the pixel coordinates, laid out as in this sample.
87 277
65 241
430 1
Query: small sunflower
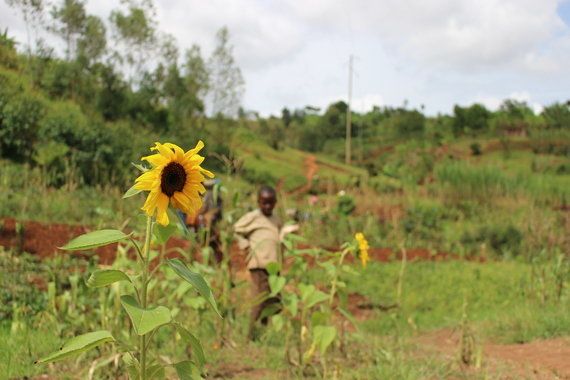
175 177
362 248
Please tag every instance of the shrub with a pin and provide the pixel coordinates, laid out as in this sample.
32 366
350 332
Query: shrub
345 204
20 112
503 239
475 149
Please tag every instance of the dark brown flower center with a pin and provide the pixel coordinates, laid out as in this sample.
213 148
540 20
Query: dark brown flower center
173 178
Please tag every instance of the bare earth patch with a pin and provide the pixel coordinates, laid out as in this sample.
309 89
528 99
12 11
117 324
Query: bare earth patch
540 359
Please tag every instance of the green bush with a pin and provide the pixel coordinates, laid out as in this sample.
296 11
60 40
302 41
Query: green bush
20 113
345 204
504 239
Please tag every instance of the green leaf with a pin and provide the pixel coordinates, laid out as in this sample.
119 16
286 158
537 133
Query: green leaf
132 191
163 233
194 342
349 316
318 318
145 320
155 371
196 280
133 366
316 297
276 284
140 167
78 345
187 370
291 302
273 268
306 291
323 336
101 278
94 239
277 322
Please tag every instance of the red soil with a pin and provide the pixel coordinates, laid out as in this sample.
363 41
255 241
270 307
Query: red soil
43 239
540 359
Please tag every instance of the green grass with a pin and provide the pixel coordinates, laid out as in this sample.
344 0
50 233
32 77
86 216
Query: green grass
19 350
264 164
499 295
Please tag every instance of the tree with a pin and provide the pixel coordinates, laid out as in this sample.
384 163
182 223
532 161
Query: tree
197 79
226 81
32 10
557 115
93 41
135 32
474 118
70 19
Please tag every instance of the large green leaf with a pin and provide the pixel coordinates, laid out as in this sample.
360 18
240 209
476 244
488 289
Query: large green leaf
94 239
78 345
276 283
195 279
187 370
145 320
101 278
132 191
189 338
323 336
155 372
316 297
163 233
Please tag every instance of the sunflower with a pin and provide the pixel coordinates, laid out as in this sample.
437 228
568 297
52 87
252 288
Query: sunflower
175 177
362 248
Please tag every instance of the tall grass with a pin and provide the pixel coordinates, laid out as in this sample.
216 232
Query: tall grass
465 180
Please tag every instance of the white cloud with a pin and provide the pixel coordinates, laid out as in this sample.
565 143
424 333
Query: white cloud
432 52
462 35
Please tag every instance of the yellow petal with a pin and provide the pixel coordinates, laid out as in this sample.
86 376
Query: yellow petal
161 207
156 159
164 150
150 203
196 149
207 173
184 202
178 152
146 180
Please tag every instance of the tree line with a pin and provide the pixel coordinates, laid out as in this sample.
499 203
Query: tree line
121 82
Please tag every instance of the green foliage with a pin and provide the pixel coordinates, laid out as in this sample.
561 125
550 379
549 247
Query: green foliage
20 113
94 239
505 240
15 288
78 345
474 118
145 320
557 116
345 204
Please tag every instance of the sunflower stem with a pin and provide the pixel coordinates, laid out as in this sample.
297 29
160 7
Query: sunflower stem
335 279
146 251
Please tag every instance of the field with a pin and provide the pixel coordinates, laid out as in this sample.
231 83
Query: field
467 277
436 247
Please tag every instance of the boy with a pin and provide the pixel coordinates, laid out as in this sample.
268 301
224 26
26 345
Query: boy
258 232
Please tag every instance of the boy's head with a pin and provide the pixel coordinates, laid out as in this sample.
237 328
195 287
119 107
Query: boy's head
266 199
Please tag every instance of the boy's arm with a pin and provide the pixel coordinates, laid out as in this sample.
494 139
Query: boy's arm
242 230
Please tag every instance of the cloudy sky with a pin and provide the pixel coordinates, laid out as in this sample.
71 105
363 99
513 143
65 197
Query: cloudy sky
435 53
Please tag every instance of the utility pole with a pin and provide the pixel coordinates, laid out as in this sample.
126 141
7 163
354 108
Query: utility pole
347 152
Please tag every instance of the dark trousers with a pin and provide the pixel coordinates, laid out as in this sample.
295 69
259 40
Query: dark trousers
259 291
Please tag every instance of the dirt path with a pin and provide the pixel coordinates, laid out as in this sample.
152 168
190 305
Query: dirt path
540 359
310 169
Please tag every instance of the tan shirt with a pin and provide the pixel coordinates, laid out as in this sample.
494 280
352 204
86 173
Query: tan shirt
259 235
